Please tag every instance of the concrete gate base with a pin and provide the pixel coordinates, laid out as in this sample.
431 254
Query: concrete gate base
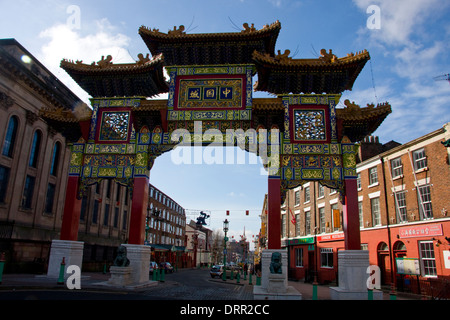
353 277
274 286
71 251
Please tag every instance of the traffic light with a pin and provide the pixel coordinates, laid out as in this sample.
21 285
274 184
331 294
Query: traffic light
228 212
246 213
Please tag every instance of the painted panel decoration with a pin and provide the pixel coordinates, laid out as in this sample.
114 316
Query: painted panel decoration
309 146
310 124
114 126
210 93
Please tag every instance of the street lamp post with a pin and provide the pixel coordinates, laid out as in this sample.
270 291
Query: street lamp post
225 239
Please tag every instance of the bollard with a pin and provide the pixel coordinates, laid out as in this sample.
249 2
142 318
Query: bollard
61 271
162 275
232 276
104 268
314 297
238 278
258 280
154 275
2 264
250 279
370 294
157 275
392 293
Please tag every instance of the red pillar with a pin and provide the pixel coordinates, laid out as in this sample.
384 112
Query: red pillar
72 209
351 216
274 213
138 211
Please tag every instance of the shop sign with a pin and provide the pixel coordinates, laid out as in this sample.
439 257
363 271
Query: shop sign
331 237
294 242
421 231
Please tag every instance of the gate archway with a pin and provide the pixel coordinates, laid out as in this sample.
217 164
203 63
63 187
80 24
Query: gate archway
299 134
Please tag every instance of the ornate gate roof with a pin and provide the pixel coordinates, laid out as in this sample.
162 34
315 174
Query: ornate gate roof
181 48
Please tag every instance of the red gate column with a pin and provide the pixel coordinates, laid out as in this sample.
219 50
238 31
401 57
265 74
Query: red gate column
72 209
138 211
351 216
274 213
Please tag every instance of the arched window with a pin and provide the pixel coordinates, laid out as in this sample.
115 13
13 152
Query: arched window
34 155
55 158
10 138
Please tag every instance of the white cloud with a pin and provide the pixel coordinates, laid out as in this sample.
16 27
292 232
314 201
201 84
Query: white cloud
400 18
63 42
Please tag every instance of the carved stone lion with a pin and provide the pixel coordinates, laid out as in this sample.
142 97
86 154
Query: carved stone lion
275 264
121 258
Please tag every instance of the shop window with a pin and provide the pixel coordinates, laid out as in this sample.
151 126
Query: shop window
427 258
326 257
299 257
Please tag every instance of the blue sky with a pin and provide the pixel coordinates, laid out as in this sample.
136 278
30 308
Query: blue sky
410 48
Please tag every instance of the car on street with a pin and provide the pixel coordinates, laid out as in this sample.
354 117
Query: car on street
166 266
153 267
216 271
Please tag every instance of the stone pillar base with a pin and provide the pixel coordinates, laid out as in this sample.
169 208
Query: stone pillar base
274 286
353 276
120 276
139 256
71 251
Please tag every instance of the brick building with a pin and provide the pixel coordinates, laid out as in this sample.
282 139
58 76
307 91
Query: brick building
403 198
166 228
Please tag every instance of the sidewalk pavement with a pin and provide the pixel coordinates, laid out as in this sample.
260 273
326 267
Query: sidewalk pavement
93 280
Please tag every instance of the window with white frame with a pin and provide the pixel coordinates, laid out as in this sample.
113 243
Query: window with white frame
297 197
326 257
360 211
283 224
375 207
427 258
400 204
307 197
297 224
299 257
425 207
321 191
308 222
373 175
322 219
420 159
396 167
358 181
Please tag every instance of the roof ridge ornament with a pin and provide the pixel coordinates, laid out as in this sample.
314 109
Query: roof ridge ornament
177 32
283 56
103 62
248 29
328 57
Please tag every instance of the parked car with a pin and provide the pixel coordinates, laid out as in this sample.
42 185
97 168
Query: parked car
166 266
216 271
153 266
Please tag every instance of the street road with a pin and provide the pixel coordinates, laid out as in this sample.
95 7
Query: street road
186 284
